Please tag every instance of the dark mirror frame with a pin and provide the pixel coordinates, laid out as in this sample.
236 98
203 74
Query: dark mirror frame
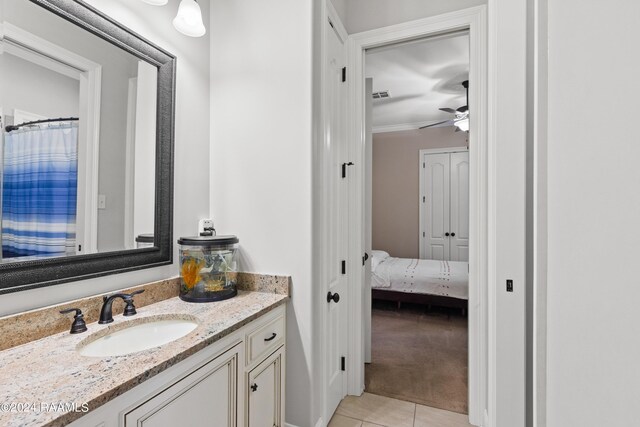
31 274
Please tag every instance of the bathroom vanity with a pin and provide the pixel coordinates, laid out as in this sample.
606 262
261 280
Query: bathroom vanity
228 371
238 381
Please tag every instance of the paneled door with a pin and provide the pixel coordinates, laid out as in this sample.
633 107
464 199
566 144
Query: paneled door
435 198
444 221
459 207
265 393
335 205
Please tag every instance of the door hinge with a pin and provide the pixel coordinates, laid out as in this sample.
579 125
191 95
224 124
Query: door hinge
343 363
424 234
424 199
79 248
344 168
423 165
344 267
344 75
365 258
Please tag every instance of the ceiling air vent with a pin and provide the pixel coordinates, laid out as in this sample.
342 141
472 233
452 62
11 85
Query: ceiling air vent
381 94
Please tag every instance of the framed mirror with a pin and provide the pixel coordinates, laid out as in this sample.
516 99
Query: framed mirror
86 153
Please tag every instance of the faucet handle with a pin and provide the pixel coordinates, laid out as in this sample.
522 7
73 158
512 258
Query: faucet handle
130 309
78 324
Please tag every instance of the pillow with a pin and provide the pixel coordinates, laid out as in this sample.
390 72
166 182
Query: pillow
377 257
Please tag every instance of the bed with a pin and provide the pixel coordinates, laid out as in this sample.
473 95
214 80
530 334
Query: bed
423 281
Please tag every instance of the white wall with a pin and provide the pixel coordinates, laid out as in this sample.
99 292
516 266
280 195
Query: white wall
23 84
593 214
191 182
362 15
261 84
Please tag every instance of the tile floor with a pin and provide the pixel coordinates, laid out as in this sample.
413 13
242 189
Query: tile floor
370 410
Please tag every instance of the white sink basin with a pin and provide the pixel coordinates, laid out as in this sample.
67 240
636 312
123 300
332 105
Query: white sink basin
137 337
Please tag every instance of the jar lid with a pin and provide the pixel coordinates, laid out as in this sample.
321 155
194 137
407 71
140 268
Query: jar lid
208 240
144 238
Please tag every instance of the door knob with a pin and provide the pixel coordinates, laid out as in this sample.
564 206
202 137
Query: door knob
453 234
333 297
446 234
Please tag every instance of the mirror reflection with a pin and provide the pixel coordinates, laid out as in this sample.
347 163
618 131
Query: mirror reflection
77 152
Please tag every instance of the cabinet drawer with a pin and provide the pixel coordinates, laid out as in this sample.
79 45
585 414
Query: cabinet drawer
265 339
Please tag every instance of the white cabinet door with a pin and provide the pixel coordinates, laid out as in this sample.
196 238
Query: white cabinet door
436 206
459 207
265 408
207 397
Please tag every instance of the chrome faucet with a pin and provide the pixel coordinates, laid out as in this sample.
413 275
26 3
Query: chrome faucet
106 314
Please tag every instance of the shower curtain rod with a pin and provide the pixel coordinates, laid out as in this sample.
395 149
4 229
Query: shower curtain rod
35 122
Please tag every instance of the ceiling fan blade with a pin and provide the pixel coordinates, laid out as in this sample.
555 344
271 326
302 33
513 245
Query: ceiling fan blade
448 110
435 124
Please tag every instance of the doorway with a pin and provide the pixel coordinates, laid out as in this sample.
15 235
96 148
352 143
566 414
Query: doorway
474 21
497 209
418 205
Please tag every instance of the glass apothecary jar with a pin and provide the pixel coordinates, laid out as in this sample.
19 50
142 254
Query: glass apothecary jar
208 268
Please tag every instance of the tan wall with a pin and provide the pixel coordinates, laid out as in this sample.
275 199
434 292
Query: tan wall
396 173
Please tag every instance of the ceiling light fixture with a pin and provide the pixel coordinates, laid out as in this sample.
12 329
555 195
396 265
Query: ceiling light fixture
462 124
156 2
189 19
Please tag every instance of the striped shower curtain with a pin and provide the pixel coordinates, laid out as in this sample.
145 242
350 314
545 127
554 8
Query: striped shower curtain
39 191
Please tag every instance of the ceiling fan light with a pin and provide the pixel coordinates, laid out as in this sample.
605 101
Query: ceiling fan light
189 19
463 124
156 2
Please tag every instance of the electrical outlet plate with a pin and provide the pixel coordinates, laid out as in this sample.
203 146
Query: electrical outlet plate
204 224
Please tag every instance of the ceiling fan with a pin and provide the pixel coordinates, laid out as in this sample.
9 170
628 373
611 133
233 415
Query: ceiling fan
461 119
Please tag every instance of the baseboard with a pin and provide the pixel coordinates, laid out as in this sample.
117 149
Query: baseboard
320 423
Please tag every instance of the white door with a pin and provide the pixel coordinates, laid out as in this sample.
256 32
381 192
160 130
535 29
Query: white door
368 196
265 395
459 207
335 205
436 206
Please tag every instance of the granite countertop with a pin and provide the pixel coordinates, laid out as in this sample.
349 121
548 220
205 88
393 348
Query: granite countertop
50 371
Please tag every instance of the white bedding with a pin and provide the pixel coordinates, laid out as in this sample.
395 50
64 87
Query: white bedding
423 276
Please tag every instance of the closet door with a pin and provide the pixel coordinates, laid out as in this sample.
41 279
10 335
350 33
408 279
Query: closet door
436 209
459 211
